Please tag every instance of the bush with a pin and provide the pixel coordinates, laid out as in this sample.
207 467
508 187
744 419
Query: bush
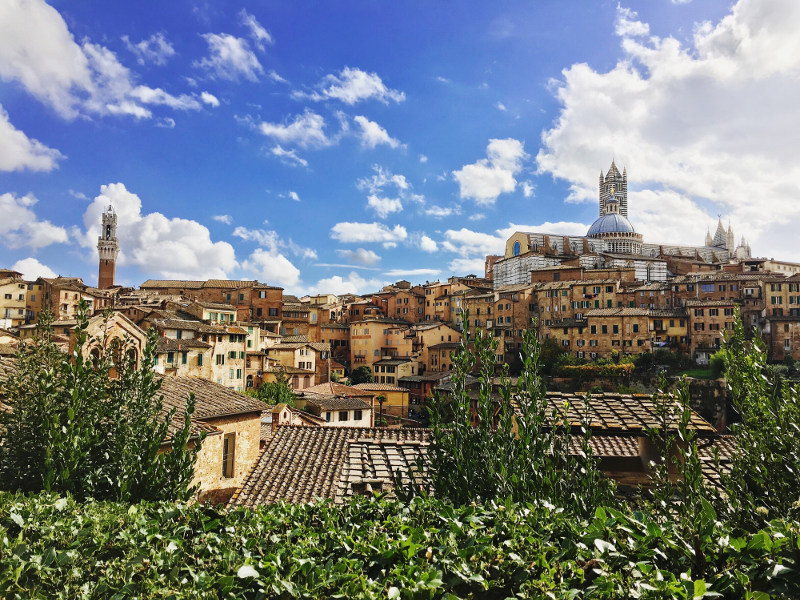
361 374
75 429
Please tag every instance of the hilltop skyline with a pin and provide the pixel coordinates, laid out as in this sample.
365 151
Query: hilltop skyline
339 148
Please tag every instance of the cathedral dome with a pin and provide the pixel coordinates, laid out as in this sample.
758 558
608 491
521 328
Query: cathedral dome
612 222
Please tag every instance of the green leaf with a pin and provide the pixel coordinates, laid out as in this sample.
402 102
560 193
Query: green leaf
394 593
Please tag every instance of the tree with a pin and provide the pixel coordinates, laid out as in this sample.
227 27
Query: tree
509 443
362 374
275 392
73 428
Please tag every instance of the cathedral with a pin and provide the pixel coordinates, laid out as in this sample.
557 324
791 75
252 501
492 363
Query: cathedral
610 242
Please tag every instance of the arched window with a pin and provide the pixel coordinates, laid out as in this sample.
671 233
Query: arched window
306 381
517 249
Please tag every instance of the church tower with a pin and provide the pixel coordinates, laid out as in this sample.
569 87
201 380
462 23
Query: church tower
616 183
107 249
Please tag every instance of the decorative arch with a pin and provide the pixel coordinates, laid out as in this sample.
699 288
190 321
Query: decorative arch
517 249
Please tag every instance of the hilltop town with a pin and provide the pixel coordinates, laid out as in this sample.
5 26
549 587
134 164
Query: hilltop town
609 293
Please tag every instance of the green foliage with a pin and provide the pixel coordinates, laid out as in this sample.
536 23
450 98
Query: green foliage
717 365
275 392
52 547
764 479
486 451
362 374
596 370
76 429
551 355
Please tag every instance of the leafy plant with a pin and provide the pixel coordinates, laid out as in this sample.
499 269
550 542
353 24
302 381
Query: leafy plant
362 374
275 392
91 423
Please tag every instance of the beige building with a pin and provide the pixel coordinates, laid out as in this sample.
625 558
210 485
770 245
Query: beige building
232 424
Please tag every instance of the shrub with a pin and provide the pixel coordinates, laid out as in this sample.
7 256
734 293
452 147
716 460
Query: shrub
75 429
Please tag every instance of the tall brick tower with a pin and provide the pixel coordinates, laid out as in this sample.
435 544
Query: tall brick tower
107 249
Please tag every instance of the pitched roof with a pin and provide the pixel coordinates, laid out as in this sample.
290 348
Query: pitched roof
170 345
380 387
211 400
324 402
172 283
337 389
301 464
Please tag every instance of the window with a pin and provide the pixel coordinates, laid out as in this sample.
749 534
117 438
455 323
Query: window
199 359
635 328
238 373
593 329
343 415
272 312
604 328
328 416
170 357
698 312
228 454
516 249
220 359
707 287
713 312
184 357
357 415
615 328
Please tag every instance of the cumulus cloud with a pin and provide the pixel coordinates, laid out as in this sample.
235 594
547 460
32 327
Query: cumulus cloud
226 219
32 269
382 177
155 49
471 243
467 266
627 23
423 159
384 207
485 180
271 267
258 34
372 134
306 130
147 239
69 77
294 196
704 127
348 232
352 86
230 58
20 227
426 244
368 258
352 284
18 151
209 99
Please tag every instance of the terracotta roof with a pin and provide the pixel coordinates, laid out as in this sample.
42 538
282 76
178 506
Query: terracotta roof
380 387
228 283
211 400
216 305
170 345
702 303
294 339
172 283
301 464
630 414
290 370
288 298
617 312
337 389
326 403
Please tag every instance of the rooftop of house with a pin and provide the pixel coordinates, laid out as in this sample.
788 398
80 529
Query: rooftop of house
380 387
171 345
337 389
212 400
302 464
326 402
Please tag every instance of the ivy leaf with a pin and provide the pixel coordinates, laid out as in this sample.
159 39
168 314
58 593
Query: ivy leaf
246 571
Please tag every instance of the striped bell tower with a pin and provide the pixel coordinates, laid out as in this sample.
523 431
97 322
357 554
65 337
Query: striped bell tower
615 183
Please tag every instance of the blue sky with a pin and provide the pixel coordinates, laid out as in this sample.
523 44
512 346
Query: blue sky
333 147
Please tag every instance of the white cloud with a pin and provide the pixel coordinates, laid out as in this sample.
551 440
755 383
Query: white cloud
381 179
373 135
174 248
18 151
71 78
500 106
559 227
440 212
166 123
289 157
384 207
271 267
471 243
486 179
627 23
259 35
703 128
226 219
155 49
426 244
423 158
32 269
273 75
360 256
230 58
209 99
412 273
477 217
352 86
306 130
352 284
267 239
348 232
528 189
467 266
20 227
294 196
